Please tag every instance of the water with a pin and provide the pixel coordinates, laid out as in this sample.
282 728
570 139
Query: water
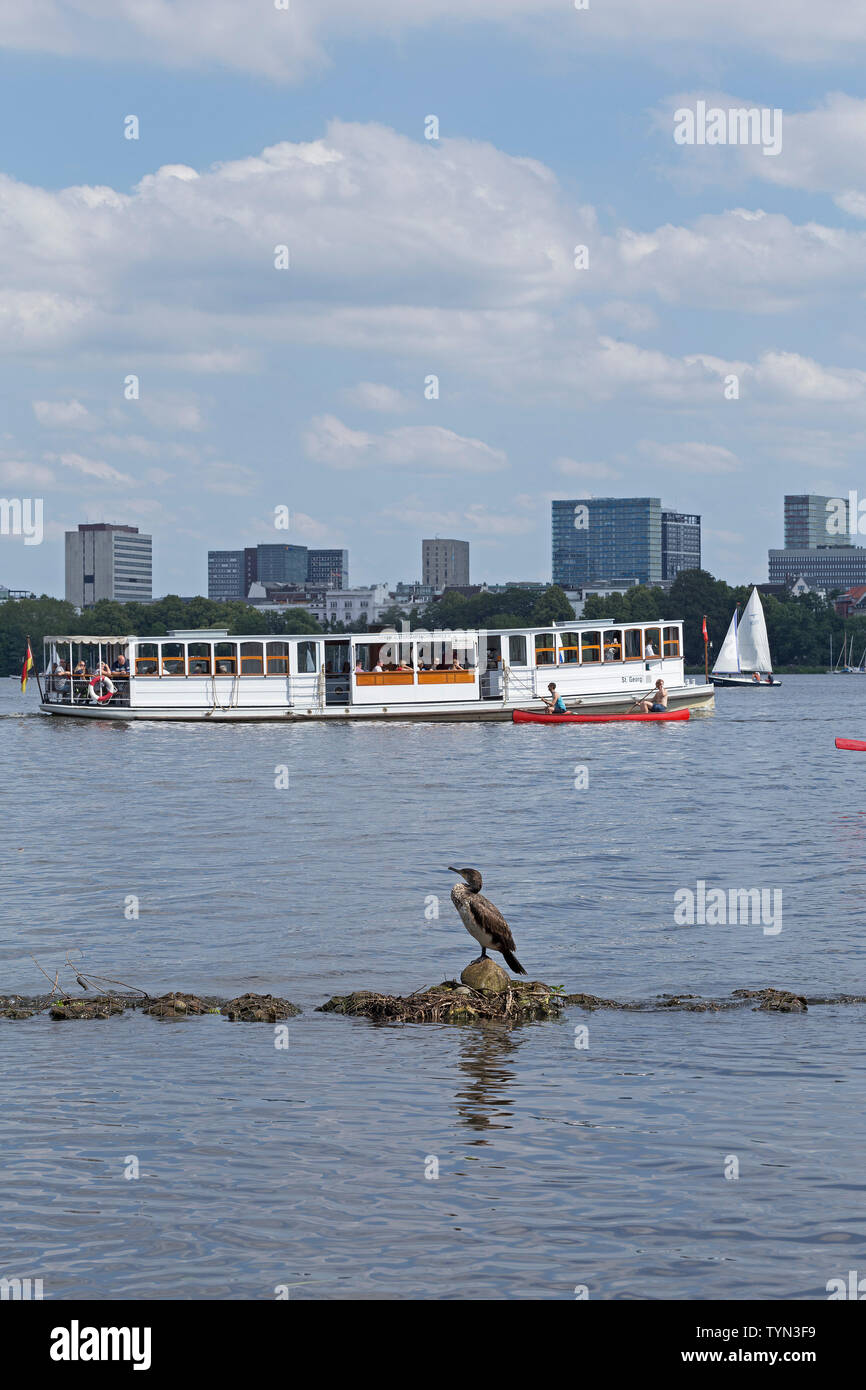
558 1167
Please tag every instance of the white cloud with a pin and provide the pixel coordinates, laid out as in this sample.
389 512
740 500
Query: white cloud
476 517
90 468
287 44
64 415
423 448
27 475
233 479
374 395
574 468
692 457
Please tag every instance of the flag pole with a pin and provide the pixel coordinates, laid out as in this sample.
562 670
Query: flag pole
706 657
36 669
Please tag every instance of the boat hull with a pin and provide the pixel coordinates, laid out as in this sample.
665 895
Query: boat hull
851 745
698 697
744 682
527 717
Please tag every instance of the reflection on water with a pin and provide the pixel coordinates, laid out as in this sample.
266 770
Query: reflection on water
557 1166
486 1057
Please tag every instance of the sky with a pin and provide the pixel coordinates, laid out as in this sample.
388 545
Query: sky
394 336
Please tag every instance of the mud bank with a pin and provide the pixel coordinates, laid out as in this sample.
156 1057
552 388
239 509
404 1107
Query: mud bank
524 1001
246 1008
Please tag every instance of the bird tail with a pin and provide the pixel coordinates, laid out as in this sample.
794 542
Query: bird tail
513 963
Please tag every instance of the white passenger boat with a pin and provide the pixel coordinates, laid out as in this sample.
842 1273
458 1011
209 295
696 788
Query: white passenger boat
207 674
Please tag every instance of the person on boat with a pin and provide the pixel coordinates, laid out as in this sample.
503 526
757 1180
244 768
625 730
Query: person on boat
556 704
650 649
120 667
656 703
359 667
80 669
455 664
756 676
378 666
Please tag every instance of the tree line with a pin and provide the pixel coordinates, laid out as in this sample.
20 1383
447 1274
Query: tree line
799 629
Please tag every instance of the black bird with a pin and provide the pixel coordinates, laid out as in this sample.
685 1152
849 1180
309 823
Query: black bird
482 920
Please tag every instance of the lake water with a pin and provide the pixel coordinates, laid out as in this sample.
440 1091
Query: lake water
558 1166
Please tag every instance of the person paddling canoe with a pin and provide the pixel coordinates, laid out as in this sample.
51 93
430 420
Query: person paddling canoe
556 704
657 702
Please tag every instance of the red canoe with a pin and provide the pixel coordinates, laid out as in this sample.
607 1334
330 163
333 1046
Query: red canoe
521 716
851 745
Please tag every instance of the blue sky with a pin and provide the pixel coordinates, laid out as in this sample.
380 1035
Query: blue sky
304 388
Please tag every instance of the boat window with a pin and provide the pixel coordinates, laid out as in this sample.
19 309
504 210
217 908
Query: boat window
198 658
517 648
307 656
590 647
147 659
633 644
366 655
613 645
225 658
653 642
545 648
173 662
672 641
570 647
252 663
278 658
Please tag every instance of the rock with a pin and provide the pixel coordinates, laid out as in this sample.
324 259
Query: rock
486 975
176 1006
258 1008
100 1007
780 1001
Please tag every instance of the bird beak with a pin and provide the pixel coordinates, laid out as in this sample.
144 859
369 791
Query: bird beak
452 870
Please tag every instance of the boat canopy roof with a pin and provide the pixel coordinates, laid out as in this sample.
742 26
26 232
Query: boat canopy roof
221 635
89 639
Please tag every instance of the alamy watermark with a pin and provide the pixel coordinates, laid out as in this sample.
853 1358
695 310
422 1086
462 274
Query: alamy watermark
846 516
22 516
739 125
738 907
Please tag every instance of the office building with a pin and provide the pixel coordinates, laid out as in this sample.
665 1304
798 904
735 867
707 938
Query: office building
445 563
225 575
823 567
595 538
681 543
285 564
328 568
806 518
108 562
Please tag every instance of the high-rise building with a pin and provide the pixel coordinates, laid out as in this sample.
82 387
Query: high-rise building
225 575
681 543
600 537
108 562
285 564
251 567
445 563
329 568
806 518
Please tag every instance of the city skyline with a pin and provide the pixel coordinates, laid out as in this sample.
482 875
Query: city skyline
628 313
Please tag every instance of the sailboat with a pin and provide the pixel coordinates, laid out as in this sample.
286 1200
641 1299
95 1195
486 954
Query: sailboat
744 657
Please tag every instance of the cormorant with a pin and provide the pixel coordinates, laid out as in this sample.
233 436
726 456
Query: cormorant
482 920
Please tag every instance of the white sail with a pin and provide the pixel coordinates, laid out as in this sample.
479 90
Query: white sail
728 659
753 640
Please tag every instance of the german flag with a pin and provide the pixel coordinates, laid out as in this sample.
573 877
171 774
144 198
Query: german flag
26 669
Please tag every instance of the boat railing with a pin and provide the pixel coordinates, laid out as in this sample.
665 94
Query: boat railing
76 690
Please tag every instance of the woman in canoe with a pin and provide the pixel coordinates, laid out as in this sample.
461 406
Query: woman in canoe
656 703
556 704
